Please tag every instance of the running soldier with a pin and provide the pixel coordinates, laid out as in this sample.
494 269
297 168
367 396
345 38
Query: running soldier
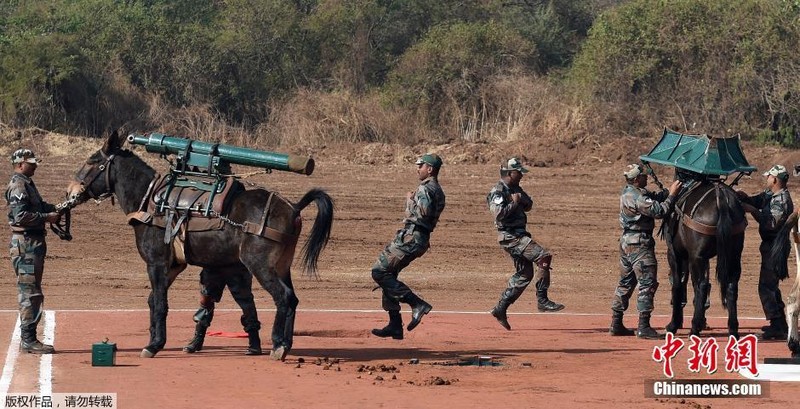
509 203
423 209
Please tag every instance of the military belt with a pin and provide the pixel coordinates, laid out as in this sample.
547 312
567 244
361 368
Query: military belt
27 233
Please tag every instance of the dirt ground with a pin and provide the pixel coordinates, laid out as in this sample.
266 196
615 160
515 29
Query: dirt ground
98 287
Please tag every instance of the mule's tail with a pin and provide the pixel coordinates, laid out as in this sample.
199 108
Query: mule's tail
321 231
724 229
781 247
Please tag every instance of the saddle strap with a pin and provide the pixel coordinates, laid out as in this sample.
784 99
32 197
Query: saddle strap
261 229
711 230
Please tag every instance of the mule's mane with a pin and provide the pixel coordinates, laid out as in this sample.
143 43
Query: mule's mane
136 166
133 177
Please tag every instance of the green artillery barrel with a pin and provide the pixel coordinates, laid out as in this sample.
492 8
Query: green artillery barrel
198 150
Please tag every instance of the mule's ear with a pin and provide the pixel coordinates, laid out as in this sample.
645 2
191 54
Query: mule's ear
113 143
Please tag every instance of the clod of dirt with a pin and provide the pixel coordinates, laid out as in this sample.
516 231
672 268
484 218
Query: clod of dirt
301 360
437 381
378 378
298 366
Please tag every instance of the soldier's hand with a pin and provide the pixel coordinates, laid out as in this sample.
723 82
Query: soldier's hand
675 187
516 197
52 217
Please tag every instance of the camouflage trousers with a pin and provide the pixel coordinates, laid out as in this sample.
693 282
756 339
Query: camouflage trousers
768 284
408 245
239 283
637 264
525 252
27 257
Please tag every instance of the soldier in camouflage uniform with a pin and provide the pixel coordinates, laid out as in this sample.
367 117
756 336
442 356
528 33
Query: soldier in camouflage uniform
638 210
27 214
770 209
212 284
509 203
423 209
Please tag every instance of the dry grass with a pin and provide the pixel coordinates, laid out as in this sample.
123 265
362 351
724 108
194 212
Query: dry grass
317 118
511 110
44 143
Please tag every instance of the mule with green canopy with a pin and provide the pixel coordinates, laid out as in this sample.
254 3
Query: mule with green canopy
708 221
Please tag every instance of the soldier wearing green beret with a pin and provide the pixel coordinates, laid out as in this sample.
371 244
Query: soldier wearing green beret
27 214
509 205
423 208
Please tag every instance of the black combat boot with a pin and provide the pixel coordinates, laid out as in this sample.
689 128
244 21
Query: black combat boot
394 329
542 284
645 331
31 345
196 343
545 304
618 328
418 310
499 311
777 329
254 343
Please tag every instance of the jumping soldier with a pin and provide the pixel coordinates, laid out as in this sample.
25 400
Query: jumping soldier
509 203
27 214
212 284
770 209
423 209
638 209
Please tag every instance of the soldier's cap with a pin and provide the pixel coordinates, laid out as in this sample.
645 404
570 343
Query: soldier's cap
779 171
633 171
23 155
431 159
513 164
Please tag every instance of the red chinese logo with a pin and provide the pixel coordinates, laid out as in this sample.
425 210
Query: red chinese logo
704 354
668 351
742 353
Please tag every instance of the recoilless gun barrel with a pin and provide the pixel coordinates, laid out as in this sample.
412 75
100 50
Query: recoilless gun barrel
202 154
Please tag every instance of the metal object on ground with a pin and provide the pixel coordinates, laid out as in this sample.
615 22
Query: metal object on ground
104 353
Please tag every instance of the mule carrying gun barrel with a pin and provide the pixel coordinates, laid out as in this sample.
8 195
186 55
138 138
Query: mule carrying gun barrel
215 157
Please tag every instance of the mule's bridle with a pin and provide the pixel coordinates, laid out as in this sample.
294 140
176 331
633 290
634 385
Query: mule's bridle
89 172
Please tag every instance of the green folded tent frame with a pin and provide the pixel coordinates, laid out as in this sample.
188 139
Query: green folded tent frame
700 154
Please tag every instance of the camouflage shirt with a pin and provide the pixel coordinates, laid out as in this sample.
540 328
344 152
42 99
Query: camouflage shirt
774 209
424 208
638 209
27 210
509 217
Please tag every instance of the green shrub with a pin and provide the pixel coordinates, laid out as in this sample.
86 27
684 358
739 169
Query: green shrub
710 66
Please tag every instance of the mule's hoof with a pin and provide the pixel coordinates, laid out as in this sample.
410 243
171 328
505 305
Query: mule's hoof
279 353
253 351
146 353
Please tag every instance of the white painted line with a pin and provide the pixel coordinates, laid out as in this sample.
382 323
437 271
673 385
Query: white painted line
46 360
375 311
11 360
